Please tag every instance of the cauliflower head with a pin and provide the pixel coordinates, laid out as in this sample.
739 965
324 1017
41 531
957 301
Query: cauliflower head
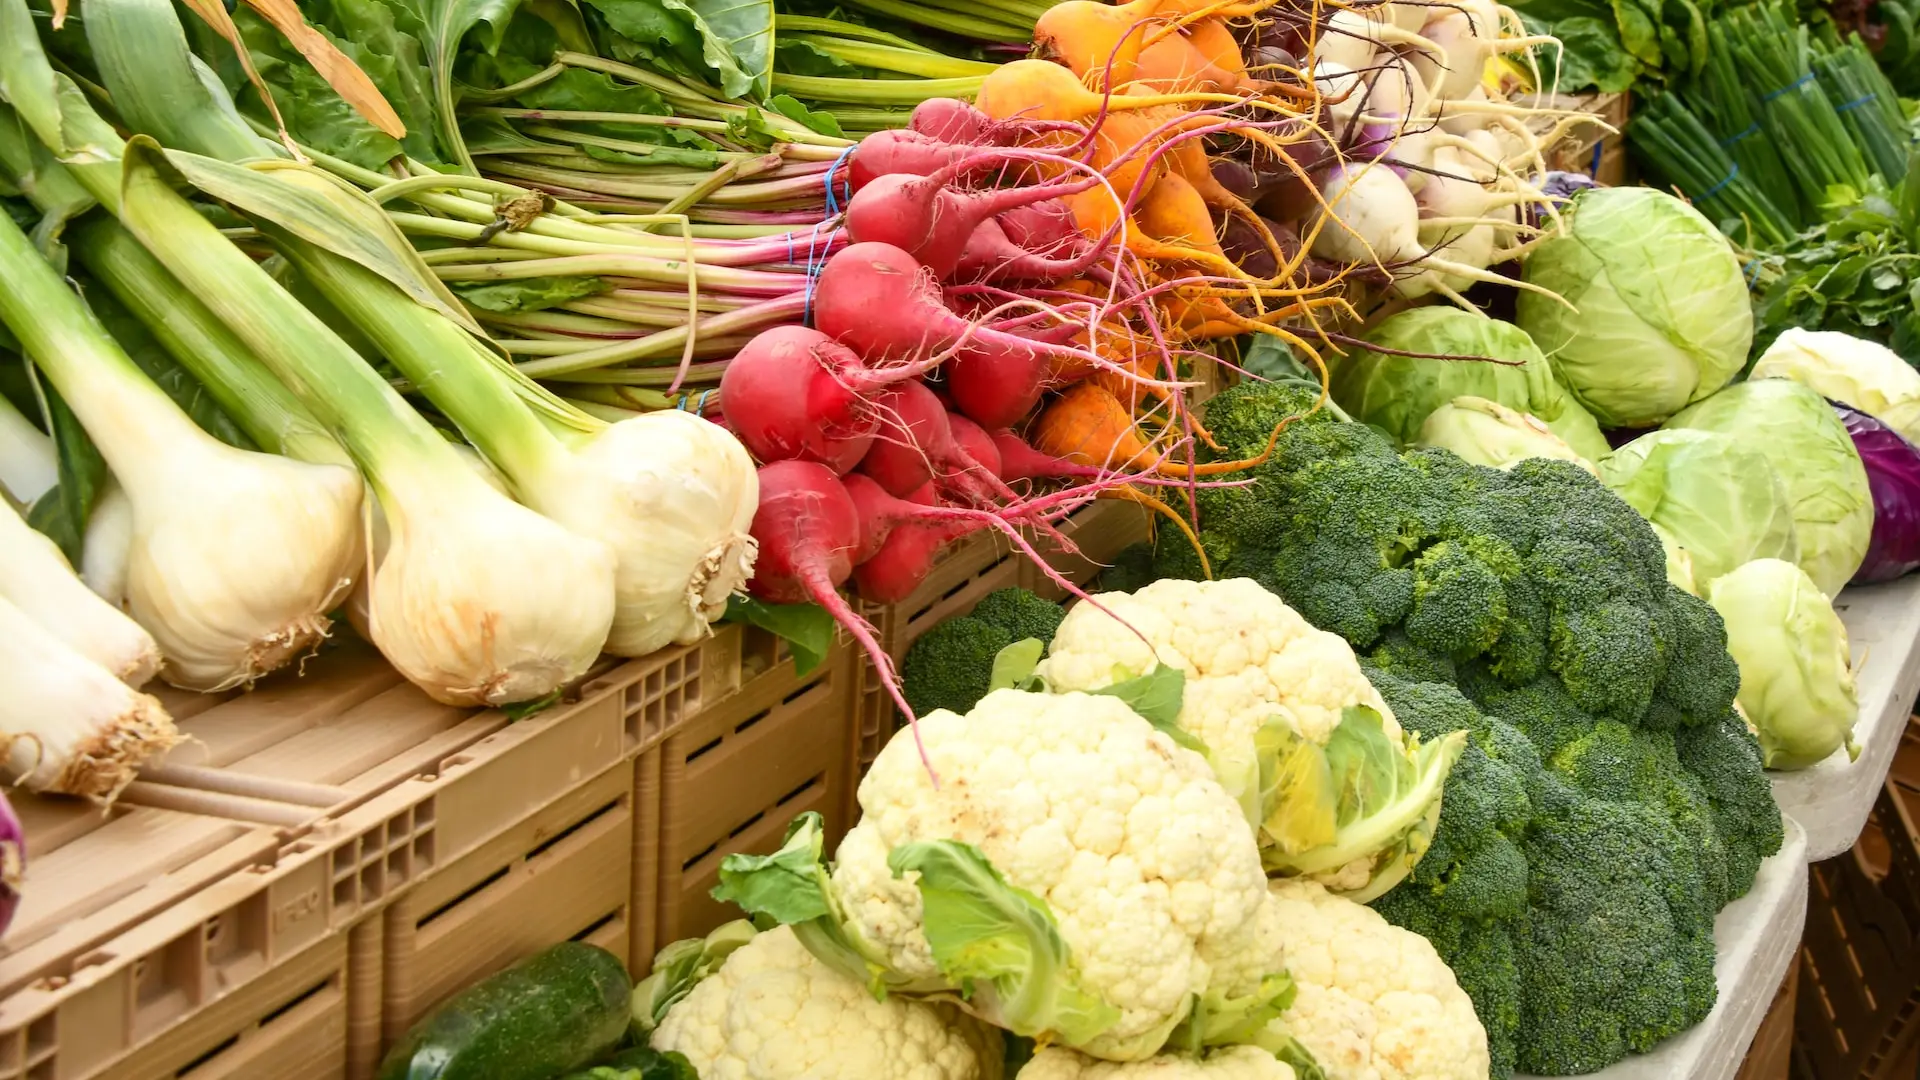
1372 1001
1233 1063
772 1011
1127 839
1295 732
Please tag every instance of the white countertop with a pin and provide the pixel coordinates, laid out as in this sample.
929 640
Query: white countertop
1757 936
1831 799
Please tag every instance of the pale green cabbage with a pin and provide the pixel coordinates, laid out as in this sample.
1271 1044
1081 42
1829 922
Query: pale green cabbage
1397 393
1808 446
1717 498
1864 374
1489 433
1796 672
1660 313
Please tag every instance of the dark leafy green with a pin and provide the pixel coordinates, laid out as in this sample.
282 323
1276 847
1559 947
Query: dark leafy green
1858 274
62 513
806 628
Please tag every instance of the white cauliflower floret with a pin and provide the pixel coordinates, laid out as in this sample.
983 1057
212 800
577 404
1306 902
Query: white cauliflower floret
1143 859
1263 658
1234 1063
774 1012
1253 667
1374 1002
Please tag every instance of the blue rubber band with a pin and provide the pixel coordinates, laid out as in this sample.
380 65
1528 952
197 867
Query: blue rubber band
1871 96
1593 167
833 203
1722 185
1738 136
700 406
1790 87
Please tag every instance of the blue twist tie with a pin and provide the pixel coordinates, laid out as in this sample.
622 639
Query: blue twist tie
833 203
1722 185
1790 87
1593 167
1857 102
1738 136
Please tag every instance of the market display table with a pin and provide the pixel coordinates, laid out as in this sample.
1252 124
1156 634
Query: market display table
1831 799
1757 936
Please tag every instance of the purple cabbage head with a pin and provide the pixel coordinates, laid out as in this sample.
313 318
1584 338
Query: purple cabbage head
1893 475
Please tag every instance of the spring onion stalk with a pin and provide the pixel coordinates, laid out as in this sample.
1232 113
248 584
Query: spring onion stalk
479 600
71 727
895 92
36 578
236 556
109 540
671 495
28 468
1673 142
1795 110
259 403
1868 107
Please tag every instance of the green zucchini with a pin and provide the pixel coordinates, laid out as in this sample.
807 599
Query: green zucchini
547 1015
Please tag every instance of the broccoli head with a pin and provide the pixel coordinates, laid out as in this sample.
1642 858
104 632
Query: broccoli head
1242 417
1021 614
1608 803
951 665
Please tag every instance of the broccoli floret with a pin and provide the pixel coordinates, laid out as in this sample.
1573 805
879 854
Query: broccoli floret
1701 678
1021 614
1460 596
1132 569
950 666
1242 417
1398 656
1724 757
1619 951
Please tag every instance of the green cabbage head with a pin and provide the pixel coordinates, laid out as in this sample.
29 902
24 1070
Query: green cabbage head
1808 445
1864 374
1488 433
1796 673
1660 315
1397 393
1716 497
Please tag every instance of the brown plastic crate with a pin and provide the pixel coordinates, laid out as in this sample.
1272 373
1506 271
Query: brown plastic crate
1858 1014
298 812
732 778
564 872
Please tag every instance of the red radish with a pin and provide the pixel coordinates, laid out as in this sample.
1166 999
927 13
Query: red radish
924 217
880 512
796 394
905 560
913 435
878 301
995 385
1045 226
954 121
909 153
972 440
990 255
808 528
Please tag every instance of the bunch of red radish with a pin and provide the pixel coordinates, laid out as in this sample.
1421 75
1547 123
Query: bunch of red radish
884 432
